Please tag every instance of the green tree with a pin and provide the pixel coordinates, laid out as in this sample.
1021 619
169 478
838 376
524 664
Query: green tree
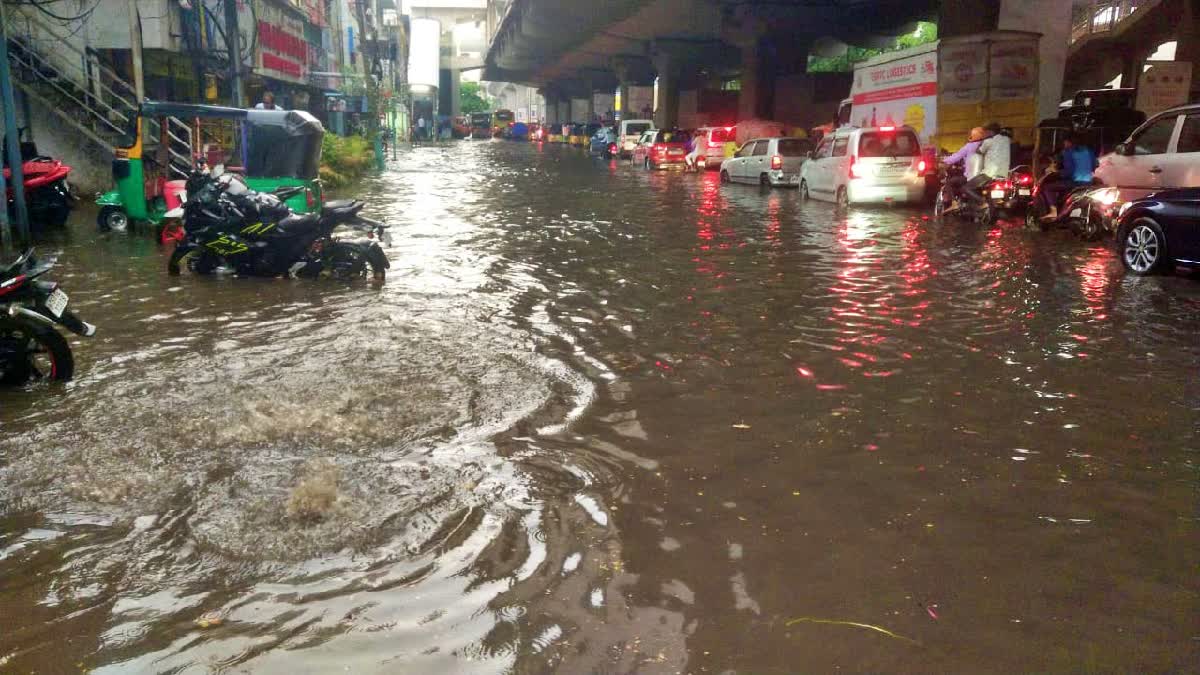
471 98
926 32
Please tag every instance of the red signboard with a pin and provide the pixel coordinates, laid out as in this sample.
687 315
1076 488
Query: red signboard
278 40
272 62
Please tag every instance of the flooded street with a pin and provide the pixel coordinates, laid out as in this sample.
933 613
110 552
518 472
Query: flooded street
602 420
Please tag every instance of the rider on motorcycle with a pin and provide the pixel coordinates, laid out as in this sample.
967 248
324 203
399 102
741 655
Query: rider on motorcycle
996 149
968 157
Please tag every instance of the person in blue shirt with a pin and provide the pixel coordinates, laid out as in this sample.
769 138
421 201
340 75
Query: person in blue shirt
1077 165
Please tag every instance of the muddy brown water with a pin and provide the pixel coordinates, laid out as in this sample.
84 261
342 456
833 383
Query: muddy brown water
600 420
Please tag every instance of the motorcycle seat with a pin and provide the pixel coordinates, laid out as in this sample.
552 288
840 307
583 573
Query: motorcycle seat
298 222
341 206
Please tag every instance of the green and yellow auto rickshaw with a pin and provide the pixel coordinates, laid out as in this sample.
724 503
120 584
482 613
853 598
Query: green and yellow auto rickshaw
271 149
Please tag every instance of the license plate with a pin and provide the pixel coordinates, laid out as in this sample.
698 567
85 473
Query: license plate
1024 193
997 194
57 302
676 152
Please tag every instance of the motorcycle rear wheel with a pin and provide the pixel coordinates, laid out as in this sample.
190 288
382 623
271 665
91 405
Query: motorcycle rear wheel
45 353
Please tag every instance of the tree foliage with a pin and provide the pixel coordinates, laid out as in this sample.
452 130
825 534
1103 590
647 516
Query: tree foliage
926 32
471 97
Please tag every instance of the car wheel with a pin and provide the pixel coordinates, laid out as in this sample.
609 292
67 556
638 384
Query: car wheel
1143 248
804 190
724 176
842 197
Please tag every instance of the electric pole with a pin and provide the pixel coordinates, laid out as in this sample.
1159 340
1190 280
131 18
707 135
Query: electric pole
233 37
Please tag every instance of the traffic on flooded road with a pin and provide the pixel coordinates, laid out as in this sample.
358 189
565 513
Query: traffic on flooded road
606 419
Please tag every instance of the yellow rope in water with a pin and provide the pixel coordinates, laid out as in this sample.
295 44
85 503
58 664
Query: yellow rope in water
877 629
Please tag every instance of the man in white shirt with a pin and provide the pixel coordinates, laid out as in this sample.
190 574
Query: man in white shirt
996 151
267 102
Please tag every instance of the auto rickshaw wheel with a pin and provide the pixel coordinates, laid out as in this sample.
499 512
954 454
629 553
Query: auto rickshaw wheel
112 219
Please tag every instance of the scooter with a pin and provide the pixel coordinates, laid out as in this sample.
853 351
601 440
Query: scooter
1089 211
30 347
48 195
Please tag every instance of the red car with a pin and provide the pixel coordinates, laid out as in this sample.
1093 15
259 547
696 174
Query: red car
661 148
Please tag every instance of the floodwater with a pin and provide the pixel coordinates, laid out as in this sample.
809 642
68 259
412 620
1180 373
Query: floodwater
600 420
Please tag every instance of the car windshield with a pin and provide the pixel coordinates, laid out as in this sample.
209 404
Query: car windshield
720 136
670 136
889 144
635 129
794 147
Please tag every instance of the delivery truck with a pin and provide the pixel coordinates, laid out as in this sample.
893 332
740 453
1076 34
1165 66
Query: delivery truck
944 88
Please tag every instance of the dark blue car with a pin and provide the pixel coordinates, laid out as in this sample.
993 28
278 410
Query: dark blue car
1159 231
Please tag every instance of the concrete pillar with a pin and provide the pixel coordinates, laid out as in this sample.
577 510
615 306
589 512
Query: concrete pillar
1188 45
590 107
756 83
666 113
455 93
1053 21
963 17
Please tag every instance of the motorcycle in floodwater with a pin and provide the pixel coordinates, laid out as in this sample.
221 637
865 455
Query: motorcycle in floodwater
256 234
1089 211
31 348
951 202
1012 194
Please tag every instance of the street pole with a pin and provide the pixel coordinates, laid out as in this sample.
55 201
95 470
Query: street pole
234 36
135 50
12 142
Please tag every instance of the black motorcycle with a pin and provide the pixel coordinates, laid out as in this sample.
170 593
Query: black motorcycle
257 234
30 346
952 202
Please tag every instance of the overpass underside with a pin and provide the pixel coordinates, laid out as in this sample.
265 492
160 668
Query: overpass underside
695 49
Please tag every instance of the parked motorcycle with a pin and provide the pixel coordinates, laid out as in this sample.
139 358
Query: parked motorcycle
953 202
48 195
255 234
30 346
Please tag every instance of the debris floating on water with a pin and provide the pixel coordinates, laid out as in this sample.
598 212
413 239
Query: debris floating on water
855 624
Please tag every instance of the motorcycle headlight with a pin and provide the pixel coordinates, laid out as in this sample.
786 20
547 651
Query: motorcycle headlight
1107 196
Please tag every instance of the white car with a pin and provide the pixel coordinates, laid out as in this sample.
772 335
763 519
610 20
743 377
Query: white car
714 140
866 165
1162 153
770 162
628 134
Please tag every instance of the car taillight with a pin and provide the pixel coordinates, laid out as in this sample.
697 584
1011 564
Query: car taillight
776 162
310 199
854 172
922 167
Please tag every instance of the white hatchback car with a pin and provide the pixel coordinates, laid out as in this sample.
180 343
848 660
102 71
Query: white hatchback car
1163 153
770 162
866 165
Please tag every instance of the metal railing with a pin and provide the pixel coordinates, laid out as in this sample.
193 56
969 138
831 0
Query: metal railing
1103 16
71 81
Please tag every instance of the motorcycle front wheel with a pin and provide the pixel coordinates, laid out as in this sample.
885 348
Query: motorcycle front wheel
34 352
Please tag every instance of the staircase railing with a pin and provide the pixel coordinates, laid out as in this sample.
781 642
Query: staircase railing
1103 16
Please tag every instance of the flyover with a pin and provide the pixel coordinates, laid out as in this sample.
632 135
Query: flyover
719 59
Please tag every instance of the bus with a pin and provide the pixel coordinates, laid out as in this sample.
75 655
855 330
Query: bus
481 125
501 121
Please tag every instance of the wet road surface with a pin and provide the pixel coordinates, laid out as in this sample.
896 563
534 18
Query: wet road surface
600 420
